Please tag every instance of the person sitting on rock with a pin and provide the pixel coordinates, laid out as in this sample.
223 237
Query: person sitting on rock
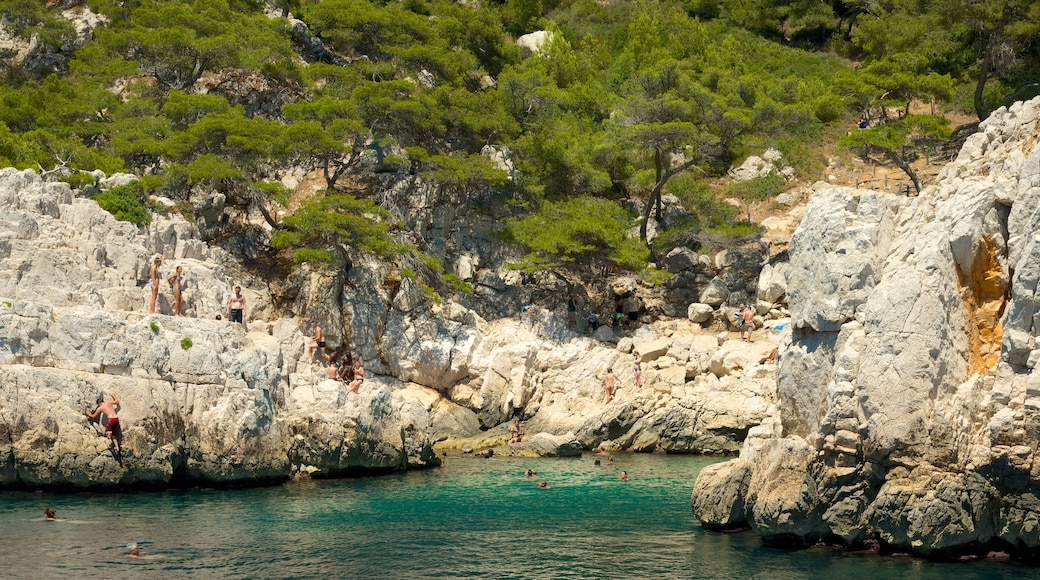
515 434
359 377
108 408
346 367
333 369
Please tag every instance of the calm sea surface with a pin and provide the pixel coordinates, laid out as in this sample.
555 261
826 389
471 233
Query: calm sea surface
472 518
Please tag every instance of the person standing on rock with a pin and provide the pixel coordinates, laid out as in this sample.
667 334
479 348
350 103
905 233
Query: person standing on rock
177 284
609 380
108 408
637 368
236 306
747 323
154 275
316 342
572 312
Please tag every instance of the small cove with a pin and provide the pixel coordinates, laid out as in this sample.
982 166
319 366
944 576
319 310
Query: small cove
471 518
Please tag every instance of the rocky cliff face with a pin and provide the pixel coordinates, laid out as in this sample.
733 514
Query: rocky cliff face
907 397
203 400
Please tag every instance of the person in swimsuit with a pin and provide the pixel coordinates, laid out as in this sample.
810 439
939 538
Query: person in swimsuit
637 370
50 515
515 434
333 369
177 283
316 342
359 377
108 408
608 383
155 275
346 368
747 323
236 306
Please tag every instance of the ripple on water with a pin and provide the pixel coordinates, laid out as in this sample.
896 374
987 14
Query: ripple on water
473 518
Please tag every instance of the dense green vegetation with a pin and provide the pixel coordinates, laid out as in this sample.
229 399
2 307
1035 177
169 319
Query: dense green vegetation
627 101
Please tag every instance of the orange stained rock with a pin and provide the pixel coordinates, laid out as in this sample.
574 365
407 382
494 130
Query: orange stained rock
984 290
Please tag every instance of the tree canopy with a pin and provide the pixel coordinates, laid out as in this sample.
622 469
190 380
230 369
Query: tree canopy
626 101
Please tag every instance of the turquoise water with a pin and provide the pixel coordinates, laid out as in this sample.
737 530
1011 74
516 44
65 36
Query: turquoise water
472 518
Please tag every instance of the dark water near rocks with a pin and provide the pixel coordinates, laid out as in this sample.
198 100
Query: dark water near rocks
473 518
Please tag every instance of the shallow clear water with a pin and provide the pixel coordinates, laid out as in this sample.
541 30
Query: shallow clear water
472 518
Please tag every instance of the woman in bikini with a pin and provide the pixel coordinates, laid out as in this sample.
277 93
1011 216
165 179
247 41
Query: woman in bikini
177 283
637 370
359 376
155 276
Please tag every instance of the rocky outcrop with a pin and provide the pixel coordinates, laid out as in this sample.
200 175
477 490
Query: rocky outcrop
906 397
201 399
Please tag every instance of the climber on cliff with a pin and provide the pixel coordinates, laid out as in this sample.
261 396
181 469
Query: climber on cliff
608 383
108 408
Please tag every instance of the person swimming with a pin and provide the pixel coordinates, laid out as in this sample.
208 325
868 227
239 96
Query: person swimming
50 515
135 550
542 484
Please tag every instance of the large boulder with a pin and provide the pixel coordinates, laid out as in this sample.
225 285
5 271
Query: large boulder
908 391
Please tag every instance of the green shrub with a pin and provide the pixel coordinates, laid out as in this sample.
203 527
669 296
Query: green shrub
154 326
128 203
186 343
79 180
577 229
430 292
408 273
458 283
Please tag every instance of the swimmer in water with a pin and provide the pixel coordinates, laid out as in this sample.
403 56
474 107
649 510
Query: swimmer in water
542 484
624 476
50 515
135 551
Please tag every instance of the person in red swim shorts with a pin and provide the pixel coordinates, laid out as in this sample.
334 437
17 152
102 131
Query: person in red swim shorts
108 408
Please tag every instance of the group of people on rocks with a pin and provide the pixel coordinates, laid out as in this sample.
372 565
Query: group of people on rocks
340 366
628 307
235 310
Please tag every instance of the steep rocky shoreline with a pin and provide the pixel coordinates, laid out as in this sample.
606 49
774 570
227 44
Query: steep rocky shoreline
907 397
206 401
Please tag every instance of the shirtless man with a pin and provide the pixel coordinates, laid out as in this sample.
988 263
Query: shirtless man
236 306
108 408
608 383
748 323
359 377
316 342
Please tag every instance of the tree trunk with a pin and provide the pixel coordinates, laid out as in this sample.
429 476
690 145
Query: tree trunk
987 61
902 164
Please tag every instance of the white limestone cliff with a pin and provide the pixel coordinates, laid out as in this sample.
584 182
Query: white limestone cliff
907 400
238 405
